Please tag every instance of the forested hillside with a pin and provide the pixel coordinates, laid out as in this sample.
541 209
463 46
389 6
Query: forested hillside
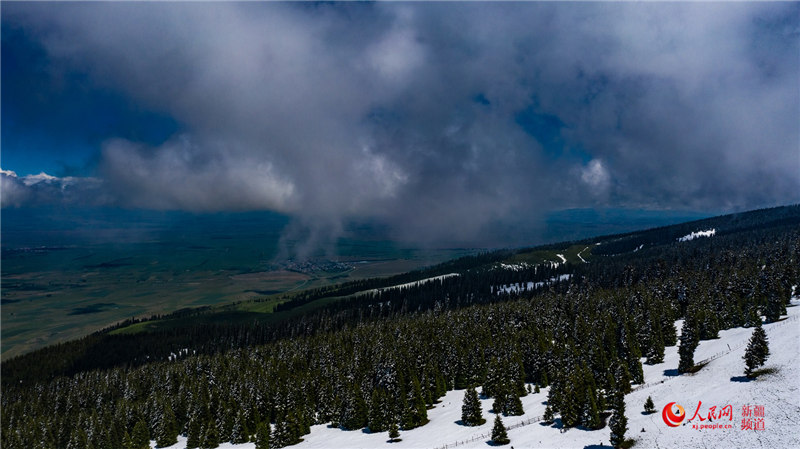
375 358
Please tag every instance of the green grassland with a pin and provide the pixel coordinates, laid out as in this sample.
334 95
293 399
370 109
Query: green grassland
54 294
262 309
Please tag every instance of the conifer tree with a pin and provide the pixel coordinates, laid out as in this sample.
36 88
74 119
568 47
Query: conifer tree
513 406
649 407
378 419
280 437
751 316
688 343
499 434
262 435
655 354
141 435
394 432
471 413
211 437
167 433
239 433
591 416
127 442
618 423
775 306
757 351
194 433
549 416
79 440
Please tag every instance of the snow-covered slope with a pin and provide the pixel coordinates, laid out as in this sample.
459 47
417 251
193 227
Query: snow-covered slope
719 383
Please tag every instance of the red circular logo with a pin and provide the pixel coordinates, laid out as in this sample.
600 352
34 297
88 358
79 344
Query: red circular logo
671 418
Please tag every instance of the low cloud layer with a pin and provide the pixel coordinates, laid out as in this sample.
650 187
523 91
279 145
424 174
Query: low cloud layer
46 190
440 119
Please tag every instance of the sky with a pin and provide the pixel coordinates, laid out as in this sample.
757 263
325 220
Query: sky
438 120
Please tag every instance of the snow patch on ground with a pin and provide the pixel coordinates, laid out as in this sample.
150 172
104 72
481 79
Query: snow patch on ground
563 259
581 257
411 284
515 266
529 285
698 234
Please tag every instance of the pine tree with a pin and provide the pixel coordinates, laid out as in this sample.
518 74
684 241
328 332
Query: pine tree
194 433
141 435
757 351
262 435
591 416
618 423
649 407
167 433
499 434
394 432
689 342
79 440
775 306
127 442
471 413
751 316
211 437
513 406
280 437
549 416
239 433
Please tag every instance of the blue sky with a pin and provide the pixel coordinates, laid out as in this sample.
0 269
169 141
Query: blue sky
454 119
55 120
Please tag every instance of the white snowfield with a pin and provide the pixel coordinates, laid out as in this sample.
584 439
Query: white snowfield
718 384
517 287
411 284
698 234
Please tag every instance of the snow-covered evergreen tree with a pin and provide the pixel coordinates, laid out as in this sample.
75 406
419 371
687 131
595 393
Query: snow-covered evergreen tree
471 413
141 435
499 434
394 432
688 343
211 436
618 423
167 432
649 407
757 351
263 435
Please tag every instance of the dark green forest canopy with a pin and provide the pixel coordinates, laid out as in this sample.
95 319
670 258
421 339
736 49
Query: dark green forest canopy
380 359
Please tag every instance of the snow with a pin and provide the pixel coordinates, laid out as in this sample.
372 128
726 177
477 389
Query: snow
563 259
719 383
529 285
515 266
698 234
638 248
412 284
581 257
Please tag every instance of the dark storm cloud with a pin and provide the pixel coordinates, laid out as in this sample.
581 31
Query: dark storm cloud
442 119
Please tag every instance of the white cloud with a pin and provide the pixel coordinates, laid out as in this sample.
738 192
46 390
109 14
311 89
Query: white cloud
596 175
